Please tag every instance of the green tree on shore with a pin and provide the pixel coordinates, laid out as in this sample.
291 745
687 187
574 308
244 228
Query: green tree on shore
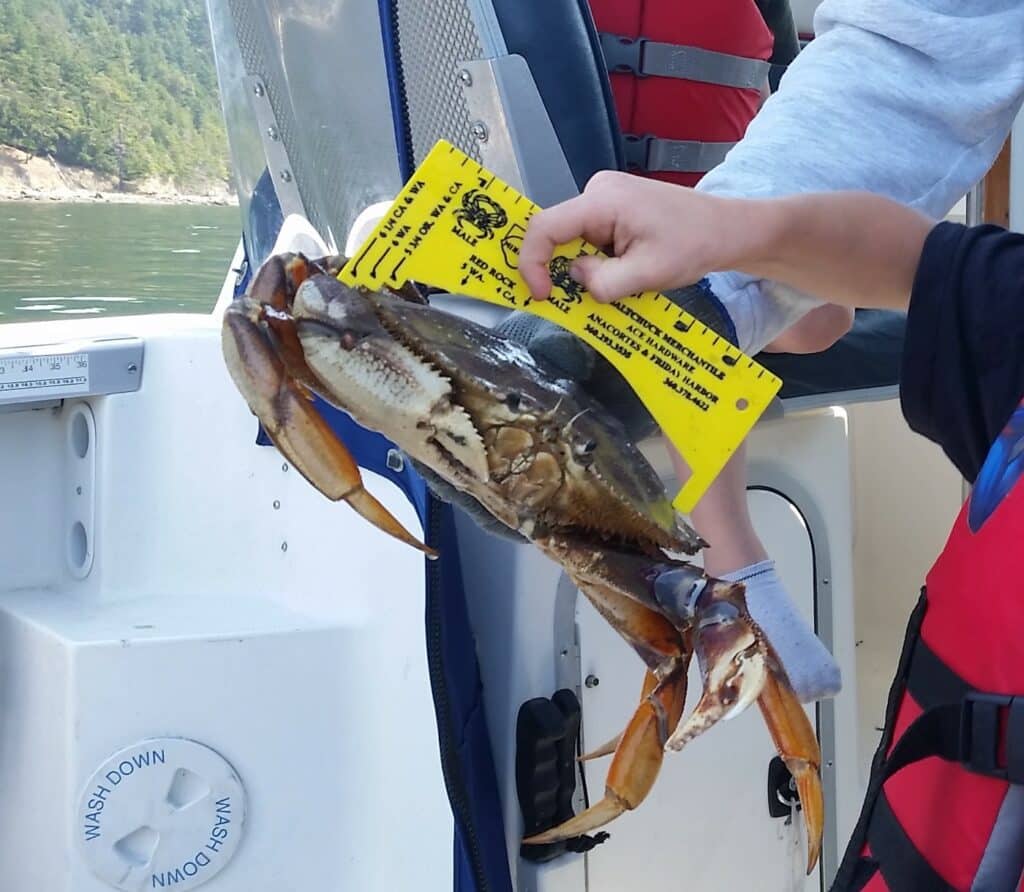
124 87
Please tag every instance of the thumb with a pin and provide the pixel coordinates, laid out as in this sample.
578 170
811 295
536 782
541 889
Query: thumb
609 278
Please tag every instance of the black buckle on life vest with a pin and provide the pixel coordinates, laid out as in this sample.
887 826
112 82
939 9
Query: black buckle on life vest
636 151
623 54
980 735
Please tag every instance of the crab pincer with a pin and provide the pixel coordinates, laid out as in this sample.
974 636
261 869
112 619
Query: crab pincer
739 666
265 360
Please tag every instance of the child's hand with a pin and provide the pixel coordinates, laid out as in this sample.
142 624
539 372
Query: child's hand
661 236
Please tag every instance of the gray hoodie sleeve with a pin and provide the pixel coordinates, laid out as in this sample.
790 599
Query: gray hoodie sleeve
907 98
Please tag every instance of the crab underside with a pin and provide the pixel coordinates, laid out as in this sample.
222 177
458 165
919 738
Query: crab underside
541 458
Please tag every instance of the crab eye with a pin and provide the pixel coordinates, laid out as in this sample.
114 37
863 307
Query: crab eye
583 451
514 401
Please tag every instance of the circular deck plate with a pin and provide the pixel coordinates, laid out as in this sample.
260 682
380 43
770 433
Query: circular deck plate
164 813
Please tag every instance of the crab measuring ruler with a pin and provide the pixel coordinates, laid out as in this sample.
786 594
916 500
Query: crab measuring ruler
457 227
27 375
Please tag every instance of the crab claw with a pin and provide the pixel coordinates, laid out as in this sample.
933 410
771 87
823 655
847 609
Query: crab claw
732 653
287 413
740 666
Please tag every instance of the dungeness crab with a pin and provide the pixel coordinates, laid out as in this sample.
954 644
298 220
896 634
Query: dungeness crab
543 459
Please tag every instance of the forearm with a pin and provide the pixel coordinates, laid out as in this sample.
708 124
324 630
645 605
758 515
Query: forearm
853 249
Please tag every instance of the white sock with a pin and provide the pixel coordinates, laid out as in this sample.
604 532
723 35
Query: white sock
812 671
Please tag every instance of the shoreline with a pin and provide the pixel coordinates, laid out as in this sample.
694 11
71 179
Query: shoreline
84 197
32 178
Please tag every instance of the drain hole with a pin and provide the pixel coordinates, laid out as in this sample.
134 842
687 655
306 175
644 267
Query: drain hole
80 435
79 545
186 788
137 848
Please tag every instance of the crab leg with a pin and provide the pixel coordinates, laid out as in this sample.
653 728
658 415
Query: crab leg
641 748
609 747
637 760
794 738
605 749
285 408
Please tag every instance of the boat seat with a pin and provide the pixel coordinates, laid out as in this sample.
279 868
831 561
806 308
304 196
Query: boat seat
559 42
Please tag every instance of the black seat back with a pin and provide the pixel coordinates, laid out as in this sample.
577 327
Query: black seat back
558 40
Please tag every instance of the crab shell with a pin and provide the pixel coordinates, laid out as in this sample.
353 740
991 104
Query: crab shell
483 414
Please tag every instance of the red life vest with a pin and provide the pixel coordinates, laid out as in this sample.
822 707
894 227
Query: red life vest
687 79
945 803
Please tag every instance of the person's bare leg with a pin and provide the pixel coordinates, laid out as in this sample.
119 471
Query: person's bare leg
722 517
815 332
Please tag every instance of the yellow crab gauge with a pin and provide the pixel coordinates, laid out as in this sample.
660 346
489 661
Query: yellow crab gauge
457 227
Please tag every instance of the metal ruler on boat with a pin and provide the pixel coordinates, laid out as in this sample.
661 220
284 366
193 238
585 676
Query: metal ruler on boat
30 376
457 227
51 372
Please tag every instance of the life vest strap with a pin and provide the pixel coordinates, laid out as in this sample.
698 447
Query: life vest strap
969 733
646 58
959 724
893 854
649 153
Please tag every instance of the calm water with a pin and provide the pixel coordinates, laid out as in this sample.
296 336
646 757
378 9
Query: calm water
59 259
